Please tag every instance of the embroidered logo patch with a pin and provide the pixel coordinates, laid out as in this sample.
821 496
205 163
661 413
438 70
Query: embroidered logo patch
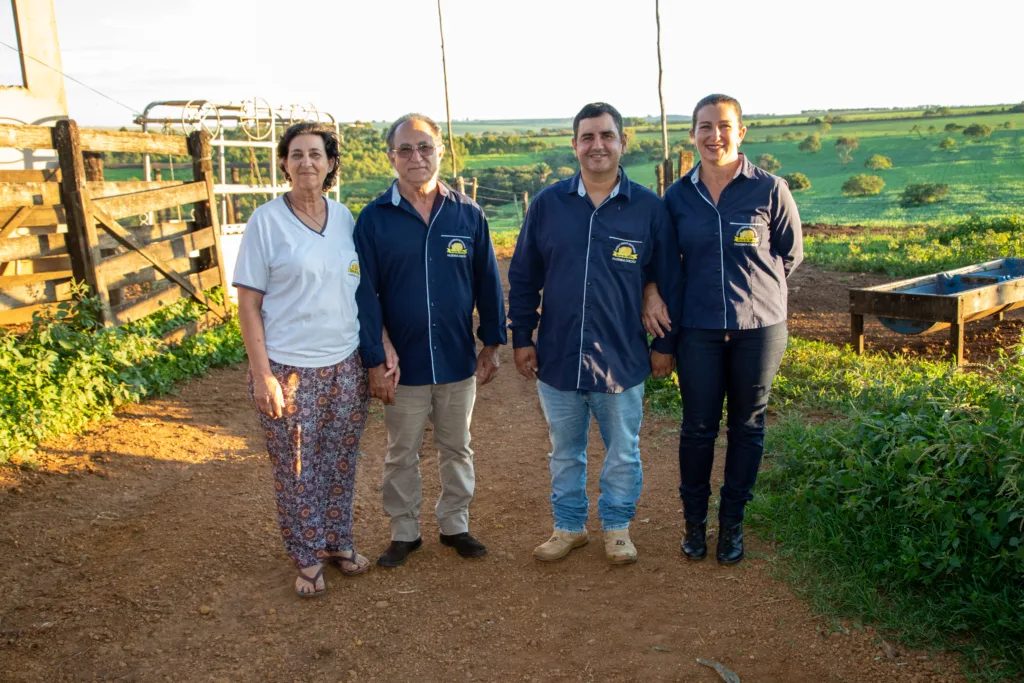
457 249
747 236
624 253
353 267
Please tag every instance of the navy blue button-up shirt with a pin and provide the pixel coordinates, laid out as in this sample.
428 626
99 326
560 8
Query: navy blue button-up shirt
421 281
592 264
738 254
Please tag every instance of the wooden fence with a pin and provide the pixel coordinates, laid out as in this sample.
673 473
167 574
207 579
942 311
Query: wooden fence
59 224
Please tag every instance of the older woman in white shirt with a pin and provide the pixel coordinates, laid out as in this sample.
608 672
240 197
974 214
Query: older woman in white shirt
296 275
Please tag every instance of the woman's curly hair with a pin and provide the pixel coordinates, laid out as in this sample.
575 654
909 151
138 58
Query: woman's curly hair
331 145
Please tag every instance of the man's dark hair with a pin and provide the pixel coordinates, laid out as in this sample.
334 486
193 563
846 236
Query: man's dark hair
717 98
332 146
592 111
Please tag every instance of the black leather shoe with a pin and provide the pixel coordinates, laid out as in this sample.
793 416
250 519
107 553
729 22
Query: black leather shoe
464 544
730 543
695 542
398 552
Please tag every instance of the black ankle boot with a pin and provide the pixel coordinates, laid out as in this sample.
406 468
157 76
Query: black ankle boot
730 542
695 542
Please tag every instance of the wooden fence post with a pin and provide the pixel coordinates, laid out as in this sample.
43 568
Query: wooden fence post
236 179
206 211
81 239
669 169
526 202
685 162
659 176
474 187
460 185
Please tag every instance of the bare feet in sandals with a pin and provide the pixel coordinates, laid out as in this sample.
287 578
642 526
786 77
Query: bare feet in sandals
349 562
310 581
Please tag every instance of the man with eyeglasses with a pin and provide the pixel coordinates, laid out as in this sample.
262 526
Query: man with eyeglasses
426 258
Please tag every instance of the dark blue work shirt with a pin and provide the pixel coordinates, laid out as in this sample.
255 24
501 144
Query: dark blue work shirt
592 264
421 281
738 254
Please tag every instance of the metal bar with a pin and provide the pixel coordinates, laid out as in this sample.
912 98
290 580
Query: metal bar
243 143
248 189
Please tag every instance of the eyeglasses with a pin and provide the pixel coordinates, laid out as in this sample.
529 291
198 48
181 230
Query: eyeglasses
425 151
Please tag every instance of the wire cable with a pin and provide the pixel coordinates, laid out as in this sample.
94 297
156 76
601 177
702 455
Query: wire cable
70 78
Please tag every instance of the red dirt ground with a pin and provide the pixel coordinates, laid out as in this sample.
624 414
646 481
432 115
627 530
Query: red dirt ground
147 550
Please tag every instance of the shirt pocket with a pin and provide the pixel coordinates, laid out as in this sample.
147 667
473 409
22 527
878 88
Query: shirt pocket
625 252
748 232
349 260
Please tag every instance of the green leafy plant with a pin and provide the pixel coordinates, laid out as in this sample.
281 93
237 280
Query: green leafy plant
863 185
918 194
67 371
797 181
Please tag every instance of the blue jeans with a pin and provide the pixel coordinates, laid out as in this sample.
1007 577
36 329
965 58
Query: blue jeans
618 417
737 365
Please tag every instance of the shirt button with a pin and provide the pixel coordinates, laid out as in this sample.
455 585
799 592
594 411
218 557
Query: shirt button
718 270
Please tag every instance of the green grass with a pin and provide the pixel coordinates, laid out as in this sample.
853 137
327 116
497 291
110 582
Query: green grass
899 503
920 251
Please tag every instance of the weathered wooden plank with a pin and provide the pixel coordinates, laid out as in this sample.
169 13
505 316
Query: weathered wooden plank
191 329
177 247
145 274
19 316
34 293
136 203
42 175
41 216
905 306
25 137
992 296
48 194
48 264
127 141
8 281
16 221
206 212
121 235
162 296
32 247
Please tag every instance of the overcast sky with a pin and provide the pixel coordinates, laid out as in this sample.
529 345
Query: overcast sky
377 59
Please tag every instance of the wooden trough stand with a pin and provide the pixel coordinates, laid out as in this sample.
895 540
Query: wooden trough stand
934 302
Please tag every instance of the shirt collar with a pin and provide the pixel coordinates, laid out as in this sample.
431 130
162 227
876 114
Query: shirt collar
745 169
576 185
394 197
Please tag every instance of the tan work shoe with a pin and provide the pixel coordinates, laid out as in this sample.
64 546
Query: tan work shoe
560 544
618 548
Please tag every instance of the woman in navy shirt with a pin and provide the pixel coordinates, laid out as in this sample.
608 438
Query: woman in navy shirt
739 239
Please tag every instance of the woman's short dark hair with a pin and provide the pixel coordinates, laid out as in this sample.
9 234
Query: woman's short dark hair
713 99
332 146
592 111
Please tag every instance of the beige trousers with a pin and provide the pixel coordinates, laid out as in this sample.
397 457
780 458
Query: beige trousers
449 407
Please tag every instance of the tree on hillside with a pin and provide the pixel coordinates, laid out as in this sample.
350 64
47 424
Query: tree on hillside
947 144
952 127
824 127
916 129
1009 125
789 135
845 146
812 143
932 130
924 193
798 182
771 138
863 185
877 162
1017 108
977 131
769 163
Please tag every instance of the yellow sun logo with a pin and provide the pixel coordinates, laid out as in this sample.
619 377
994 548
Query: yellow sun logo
457 248
624 251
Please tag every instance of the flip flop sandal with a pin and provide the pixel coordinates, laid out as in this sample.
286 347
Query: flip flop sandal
312 581
340 562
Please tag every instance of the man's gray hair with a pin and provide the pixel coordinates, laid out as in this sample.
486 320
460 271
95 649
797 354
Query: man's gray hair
435 130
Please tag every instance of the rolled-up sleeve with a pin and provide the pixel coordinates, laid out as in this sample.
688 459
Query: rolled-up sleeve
490 299
665 269
786 231
526 279
371 325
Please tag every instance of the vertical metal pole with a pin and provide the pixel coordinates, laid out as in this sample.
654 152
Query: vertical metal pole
448 109
223 181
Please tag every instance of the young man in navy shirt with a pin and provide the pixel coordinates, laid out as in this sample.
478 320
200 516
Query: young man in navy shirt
591 243
427 261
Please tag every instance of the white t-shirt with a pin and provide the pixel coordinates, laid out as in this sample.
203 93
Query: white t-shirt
308 280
